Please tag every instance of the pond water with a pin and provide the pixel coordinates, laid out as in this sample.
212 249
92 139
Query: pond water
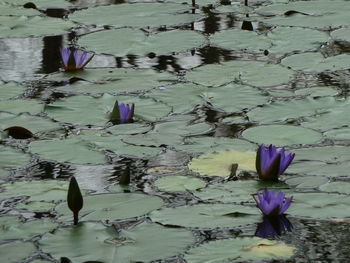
210 83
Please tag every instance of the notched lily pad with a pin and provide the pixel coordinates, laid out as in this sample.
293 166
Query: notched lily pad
207 216
239 250
178 183
220 163
145 242
12 158
113 206
16 251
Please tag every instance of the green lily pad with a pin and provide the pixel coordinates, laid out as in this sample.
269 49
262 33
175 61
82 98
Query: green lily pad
207 216
307 182
336 187
33 123
292 109
36 206
17 251
326 14
12 228
281 135
113 206
330 161
10 10
220 163
316 62
120 145
129 129
72 150
338 134
84 110
317 92
234 7
212 144
236 39
236 191
3 173
243 249
288 39
12 158
320 205
145 242
10 90
249 72
233 97
42 4
43 190
342 34
144 15
182 128
153 139
125 80
179 183
336 117
130 41
182 97
19 106
22 26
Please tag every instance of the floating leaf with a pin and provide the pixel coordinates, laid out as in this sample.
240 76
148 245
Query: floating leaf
145 242
113 206
178 183
134 42
220 163
10 90
12 158
144 15
207 216
336 187
281 135
239 250
16 251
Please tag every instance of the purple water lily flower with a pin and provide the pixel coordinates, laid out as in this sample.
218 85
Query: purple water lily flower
272 203
273 226
270 164
73 59
126 112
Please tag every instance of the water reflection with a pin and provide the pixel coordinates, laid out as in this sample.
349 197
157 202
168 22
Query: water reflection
273 226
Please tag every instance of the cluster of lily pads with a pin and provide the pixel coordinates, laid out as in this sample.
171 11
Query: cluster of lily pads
236 88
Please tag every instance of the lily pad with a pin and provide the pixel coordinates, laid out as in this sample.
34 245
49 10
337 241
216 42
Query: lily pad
113 206
33 123
207 216
43 190
145 242
12 228
342 34
234 98
307 182
212 144
235 191
179 183
182 128
10 90
73 150
239 250
42 4
288 39
338 134
12 158
292 109
320 205
19 106
144 15
182 97
85 110
17 251
336 187
249 72
281 135
10 10
316 62
130 41
317 92
236 39
3 173
22 26
125 80
220 163
129 129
